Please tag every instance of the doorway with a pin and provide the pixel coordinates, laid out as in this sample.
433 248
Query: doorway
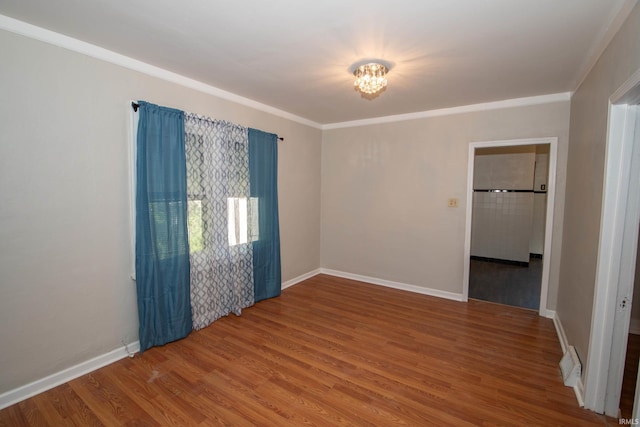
508 224
546 144
632 354
617 254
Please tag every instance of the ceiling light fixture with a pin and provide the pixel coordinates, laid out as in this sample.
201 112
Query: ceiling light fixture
371 77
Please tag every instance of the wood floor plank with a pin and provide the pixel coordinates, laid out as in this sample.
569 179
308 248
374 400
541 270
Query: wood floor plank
166 408
71 407
49 410
110 404
332 351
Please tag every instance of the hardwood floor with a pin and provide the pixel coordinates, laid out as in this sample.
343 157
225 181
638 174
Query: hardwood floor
333 351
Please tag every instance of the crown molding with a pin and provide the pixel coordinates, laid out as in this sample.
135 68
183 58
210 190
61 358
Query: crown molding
509 103
79 46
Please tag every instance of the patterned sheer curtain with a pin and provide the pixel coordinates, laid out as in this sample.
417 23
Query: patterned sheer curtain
220 218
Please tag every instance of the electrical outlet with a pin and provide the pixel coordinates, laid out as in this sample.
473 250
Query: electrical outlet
453 203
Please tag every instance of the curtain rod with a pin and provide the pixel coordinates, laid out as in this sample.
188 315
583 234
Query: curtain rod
135 107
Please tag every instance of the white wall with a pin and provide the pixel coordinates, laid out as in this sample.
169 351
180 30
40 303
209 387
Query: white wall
65 291
504 170
536 244
497 232
385 189
540 199
501 223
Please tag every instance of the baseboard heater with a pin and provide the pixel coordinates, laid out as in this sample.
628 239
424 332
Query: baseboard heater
570 367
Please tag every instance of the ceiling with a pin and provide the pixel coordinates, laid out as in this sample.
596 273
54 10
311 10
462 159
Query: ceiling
295 55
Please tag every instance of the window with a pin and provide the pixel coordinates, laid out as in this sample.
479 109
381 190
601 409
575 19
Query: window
215 171
194 223
242 220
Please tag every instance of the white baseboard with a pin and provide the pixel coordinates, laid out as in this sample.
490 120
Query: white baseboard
562 337
300 278
395 285
578 389
374 281
26 391
549 314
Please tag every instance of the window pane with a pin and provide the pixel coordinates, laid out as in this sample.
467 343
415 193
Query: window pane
254 228
231 218
242 216
165 224
194 223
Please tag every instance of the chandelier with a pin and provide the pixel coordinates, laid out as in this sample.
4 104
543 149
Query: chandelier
370 78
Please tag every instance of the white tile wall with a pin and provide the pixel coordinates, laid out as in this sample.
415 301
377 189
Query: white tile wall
509 171
501 225
538 226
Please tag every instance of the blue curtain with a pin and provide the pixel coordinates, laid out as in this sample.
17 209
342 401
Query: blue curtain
263 182
162 249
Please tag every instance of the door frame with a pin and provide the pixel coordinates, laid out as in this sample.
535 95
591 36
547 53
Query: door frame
549 225
617 210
